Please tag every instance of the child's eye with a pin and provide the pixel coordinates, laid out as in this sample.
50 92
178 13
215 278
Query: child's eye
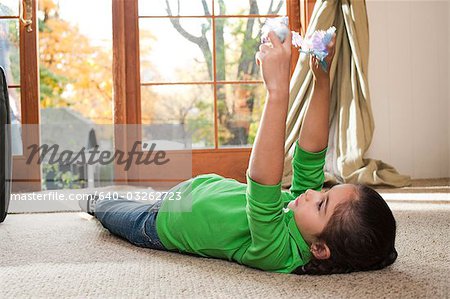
320 204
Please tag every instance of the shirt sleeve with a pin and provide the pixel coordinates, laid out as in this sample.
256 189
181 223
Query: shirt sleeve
307 170
269 247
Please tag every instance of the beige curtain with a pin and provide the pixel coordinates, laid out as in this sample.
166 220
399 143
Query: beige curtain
351 120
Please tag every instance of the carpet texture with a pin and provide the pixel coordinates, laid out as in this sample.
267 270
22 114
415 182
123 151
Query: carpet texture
72 255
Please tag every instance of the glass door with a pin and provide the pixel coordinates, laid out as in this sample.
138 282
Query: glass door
18 56
76 92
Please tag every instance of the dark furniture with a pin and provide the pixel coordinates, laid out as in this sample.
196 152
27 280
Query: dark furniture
5 147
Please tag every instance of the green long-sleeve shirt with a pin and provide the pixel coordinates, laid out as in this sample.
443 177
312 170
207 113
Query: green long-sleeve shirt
223 218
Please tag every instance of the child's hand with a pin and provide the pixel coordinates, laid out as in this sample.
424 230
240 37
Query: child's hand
319 74
275 62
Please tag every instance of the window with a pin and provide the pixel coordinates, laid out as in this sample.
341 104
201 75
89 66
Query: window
195 67
18 57
75 60
75 69
222 93
10 61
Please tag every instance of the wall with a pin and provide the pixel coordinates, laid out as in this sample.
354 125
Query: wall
409 82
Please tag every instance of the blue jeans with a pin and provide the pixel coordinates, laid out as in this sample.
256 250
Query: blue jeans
135 221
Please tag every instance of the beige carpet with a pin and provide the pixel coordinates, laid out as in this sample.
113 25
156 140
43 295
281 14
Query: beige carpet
71 255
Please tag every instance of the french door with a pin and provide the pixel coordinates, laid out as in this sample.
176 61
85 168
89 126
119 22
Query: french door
19 57
226 122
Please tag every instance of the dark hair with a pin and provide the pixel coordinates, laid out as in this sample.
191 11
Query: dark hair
360 236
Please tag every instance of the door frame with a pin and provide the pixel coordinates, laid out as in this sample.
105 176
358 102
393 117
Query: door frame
27 177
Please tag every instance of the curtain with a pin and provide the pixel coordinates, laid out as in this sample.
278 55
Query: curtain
351 120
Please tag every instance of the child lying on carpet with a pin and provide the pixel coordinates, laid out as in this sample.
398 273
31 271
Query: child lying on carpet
303 231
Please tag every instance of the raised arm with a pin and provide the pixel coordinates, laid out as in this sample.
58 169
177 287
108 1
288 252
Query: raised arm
267 157
271 246
314 132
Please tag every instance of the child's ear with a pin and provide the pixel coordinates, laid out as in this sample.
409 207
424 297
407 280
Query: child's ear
320 251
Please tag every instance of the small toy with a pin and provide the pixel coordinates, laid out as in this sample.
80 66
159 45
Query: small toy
278 25
316 44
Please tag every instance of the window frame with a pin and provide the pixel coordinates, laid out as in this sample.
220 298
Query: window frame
27 177
232 162
228 162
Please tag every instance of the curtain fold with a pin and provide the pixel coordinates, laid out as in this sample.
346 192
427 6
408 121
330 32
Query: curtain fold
351 119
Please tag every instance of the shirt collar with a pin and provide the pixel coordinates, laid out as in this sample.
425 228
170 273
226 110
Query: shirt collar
295 233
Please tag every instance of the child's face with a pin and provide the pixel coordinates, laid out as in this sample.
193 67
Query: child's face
313 209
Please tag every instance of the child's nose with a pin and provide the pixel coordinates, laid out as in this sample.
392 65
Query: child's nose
311 195
308 195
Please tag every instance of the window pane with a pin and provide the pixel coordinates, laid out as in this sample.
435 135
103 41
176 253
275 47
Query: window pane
168 56
185 8
75 69
187 105
9 8
262 7
237 41
15 103
9 50
16 120
239 112
75 48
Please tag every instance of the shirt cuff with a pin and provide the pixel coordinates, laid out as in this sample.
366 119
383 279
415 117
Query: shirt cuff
262 193
309 158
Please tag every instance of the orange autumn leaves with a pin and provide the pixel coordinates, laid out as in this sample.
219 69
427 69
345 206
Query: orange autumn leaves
74 72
